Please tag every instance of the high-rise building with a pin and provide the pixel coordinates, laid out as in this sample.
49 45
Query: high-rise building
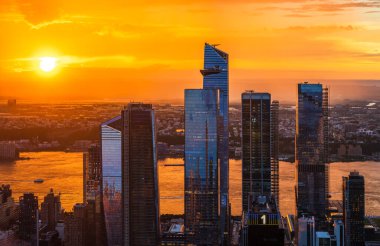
353 209
140 197
215 76
312 150
51 210
201 167
28 217
92 172
261 224
306 231
92 177
339 232
8 151
75 226
111 180
8 208
260 147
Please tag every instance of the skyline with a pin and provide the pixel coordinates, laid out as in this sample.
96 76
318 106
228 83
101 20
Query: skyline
137 51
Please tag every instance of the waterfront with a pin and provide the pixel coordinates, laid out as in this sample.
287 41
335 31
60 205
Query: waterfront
63 172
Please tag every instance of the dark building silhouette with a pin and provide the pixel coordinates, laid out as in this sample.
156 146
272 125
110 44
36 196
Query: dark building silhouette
8 208
312 150
50 210
260 147
75 226
353 209
28 217
261 224
140 210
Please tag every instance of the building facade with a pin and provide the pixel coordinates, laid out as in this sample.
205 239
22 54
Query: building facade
51 210
28 217
312 150
216 76
201 167
111 180
354 209
140 197
92 172
8 208
260 147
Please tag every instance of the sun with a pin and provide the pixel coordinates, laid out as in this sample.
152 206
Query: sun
47 64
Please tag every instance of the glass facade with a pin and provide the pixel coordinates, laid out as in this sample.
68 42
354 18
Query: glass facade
201 166
311 150
354 209
111 179
256 147
215 76
140 178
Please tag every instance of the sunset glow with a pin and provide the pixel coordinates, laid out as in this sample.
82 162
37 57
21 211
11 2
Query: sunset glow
147 48
47 64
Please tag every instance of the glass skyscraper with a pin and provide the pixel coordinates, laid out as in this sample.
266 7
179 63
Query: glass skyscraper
312 150
139 176
354 209
111 179
260 149
215 76
201 167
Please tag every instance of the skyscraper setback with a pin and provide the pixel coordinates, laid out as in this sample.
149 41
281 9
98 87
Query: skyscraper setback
260 148
311 150
216 76
111 179
140 197
201 166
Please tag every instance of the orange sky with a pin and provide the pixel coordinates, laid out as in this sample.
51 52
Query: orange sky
151 49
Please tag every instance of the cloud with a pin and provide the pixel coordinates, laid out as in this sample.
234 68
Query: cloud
36 11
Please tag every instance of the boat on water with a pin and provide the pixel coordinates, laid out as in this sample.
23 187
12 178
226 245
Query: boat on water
38 181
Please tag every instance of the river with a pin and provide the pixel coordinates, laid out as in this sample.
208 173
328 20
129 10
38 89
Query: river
63 172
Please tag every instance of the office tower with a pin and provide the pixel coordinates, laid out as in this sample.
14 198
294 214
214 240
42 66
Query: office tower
28 217
306 231
8 208
140 197
261 224
339 232
312 150
260 147
51 210
75 226
353 209
201 167
215 76
111 179
92 172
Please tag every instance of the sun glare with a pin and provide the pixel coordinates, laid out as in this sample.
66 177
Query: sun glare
47 64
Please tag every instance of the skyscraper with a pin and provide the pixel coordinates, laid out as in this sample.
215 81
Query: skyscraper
28 216
75 226
353 209
51 210
111 179
260 147
215 76
92 172
312 150
201 167
139 176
